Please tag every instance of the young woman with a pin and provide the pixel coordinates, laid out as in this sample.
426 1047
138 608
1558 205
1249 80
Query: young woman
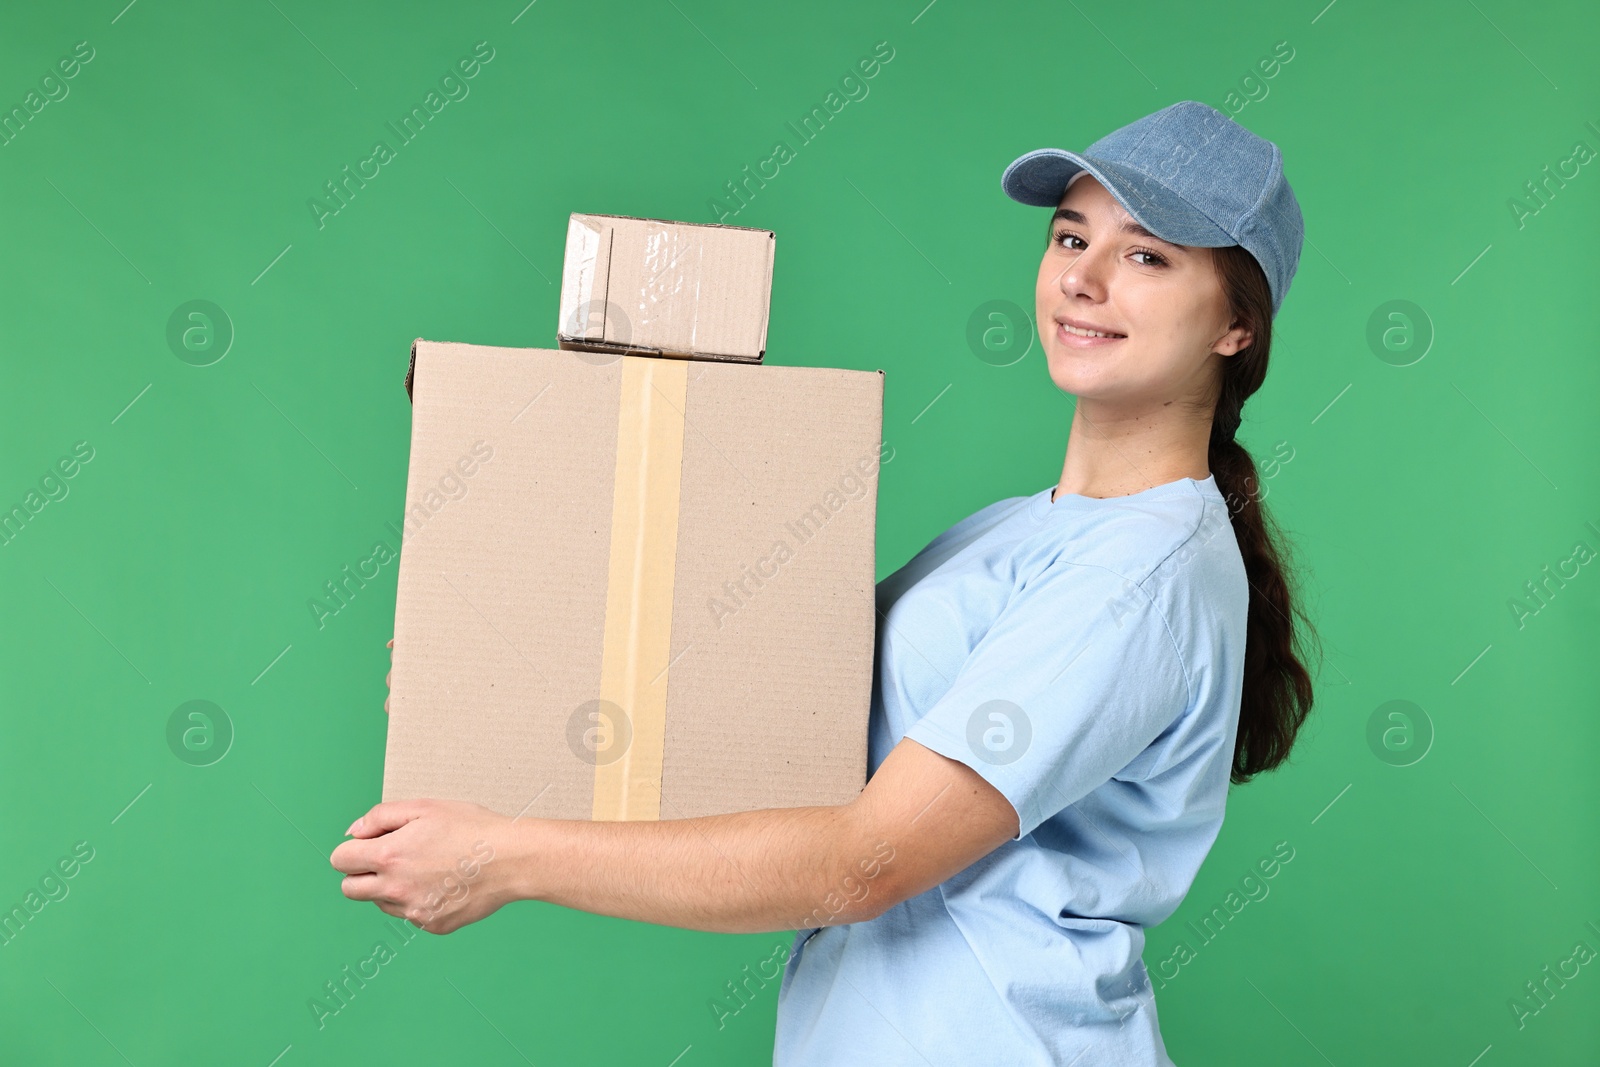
1067 682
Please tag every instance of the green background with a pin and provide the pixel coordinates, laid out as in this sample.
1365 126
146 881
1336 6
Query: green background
1421 497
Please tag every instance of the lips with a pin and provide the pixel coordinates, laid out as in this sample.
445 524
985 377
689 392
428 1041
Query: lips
1080 328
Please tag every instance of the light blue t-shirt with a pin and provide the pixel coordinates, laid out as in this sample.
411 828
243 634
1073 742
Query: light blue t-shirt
1086 657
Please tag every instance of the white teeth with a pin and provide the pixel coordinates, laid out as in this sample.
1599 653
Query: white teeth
1087 333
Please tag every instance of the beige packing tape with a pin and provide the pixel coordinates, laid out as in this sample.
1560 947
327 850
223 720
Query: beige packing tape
644 549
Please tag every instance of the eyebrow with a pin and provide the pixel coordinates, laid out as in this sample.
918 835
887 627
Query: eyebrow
1128 226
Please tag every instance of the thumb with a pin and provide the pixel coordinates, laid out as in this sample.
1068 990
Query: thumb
382 819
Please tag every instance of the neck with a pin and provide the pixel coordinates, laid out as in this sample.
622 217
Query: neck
1114 454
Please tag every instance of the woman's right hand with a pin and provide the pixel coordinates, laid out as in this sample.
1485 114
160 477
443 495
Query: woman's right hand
388 676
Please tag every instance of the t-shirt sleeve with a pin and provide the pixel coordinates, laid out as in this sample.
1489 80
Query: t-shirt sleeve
1077 676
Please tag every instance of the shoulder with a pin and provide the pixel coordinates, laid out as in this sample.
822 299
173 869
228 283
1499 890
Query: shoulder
1171 562
1185 534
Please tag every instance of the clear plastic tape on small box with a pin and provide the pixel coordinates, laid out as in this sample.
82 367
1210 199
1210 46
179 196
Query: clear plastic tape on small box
664 298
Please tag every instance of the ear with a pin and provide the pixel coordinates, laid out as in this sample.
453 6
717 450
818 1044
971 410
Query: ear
1234 341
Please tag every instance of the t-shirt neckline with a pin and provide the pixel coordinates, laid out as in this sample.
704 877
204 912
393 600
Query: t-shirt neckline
1041 505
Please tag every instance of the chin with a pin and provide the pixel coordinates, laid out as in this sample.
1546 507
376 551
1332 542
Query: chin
1078 373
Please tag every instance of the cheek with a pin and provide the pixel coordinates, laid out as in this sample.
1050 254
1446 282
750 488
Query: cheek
1190 338
1168 320
1045 298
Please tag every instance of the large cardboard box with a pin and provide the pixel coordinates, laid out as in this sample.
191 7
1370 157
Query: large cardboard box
655 287
649 591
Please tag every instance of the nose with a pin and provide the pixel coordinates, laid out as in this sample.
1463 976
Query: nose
1084 274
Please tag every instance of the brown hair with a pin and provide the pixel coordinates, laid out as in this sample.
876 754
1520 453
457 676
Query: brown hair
1277 688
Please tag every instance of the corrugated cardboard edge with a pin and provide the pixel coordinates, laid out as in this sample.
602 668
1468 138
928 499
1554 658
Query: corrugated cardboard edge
672 222
566 344
411 367
766 320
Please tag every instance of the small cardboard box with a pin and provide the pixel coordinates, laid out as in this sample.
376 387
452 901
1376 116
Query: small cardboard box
648 591
653 287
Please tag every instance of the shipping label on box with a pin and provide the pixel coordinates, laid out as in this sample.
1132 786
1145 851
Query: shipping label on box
655 287
655 599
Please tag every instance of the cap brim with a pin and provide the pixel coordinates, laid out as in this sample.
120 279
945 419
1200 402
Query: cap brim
1040 178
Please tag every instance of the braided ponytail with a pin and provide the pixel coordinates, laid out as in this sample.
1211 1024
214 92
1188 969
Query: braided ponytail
1277 688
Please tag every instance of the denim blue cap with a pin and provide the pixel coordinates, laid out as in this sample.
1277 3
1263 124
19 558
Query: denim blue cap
1190 175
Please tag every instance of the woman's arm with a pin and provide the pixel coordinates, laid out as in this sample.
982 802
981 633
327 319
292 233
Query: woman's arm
749 872
921 818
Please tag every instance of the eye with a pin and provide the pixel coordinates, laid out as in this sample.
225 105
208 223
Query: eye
1066 233
1156 258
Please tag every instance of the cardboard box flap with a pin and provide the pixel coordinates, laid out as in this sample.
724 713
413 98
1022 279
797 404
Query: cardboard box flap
588 254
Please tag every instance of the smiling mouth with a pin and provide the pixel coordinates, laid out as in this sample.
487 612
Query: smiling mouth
1073 331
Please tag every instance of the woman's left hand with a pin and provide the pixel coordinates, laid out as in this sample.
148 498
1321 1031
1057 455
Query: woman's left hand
438 864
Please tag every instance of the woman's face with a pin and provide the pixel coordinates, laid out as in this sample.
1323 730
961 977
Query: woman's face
1164 301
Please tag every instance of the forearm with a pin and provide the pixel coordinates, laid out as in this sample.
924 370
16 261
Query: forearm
747 872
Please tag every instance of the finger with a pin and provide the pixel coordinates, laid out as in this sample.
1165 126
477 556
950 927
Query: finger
386 705
362 886
383 818
390 644
418 918
389 907
357 858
